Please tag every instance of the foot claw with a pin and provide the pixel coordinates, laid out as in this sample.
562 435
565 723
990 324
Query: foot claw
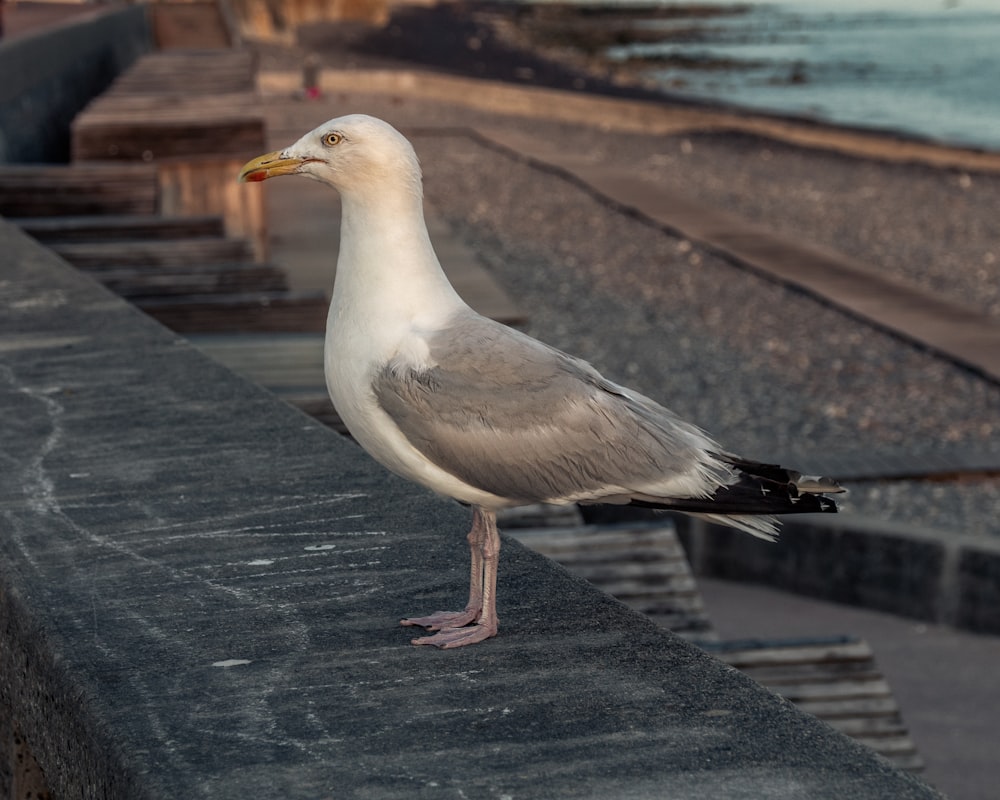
443 619
457 637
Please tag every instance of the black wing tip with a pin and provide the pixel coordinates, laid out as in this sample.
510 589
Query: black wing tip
760 489
826 505
746 501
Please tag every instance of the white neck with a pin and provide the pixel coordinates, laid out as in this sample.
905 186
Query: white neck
387 265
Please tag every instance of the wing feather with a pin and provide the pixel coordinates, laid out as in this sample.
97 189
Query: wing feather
514 417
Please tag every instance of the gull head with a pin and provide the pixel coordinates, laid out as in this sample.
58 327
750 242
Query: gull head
351 153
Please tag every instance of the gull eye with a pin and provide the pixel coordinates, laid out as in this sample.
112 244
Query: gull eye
332 139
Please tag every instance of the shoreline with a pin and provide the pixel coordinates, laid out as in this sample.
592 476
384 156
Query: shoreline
479 41
624 43
653 115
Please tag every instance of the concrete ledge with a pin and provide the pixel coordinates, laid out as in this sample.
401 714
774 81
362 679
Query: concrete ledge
199 591
50 75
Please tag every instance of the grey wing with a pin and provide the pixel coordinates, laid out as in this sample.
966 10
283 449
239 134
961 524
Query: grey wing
526 422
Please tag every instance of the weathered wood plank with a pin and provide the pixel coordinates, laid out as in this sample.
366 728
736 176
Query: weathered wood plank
751 654
837 681
154 253
151 137
888 745
53 190
643 571
210 279
642 566
897 748
811 671
854 707
870 727
246 312
588 542
677 603
101 227
189 25
833 690
175 104
230 71
540 515
195 114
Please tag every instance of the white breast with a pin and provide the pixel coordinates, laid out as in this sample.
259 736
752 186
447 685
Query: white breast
355 350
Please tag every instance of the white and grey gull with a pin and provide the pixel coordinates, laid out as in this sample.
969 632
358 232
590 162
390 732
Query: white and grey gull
483 413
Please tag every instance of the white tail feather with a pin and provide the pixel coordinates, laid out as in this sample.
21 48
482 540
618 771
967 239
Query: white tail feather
762 526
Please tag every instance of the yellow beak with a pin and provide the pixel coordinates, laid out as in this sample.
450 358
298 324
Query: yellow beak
269 165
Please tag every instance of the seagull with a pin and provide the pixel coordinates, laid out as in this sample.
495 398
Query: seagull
483 413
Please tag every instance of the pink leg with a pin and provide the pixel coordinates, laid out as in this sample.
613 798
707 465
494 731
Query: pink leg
484 544
456 619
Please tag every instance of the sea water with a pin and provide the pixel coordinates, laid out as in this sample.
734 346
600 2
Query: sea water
929 68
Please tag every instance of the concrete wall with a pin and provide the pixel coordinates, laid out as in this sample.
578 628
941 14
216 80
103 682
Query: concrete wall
930 575
927 575
47 77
